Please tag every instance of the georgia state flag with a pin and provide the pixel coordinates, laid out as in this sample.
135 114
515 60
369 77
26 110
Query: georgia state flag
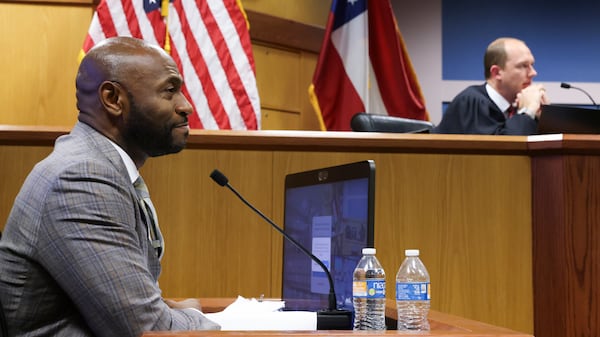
364 67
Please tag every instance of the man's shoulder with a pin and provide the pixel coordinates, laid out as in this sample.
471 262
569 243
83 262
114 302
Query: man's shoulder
83 152
473 97
81 136
84 143
477 90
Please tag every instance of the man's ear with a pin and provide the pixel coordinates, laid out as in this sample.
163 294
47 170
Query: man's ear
495 70
113 97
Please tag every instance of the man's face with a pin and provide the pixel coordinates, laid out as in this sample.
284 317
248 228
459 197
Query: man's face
518 72
156 123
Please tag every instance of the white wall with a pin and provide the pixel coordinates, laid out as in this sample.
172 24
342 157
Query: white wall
420 22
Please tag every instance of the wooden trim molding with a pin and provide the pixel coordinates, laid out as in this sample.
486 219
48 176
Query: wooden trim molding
325 141
292 140
30 135
265 28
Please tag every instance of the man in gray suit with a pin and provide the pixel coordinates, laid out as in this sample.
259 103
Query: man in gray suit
78 256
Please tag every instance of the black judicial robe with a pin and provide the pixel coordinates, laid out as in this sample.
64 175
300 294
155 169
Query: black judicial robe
473 112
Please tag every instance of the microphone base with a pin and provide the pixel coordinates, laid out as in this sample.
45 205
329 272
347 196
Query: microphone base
334 320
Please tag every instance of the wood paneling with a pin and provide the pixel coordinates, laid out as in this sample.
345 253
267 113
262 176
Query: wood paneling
215 246
40 45
280 120
15 164
469 215
283 77
309 12
566 246
279 73
451 206
42 39
290 34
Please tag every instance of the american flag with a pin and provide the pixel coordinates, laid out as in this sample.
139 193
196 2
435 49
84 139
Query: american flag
364 67
209 41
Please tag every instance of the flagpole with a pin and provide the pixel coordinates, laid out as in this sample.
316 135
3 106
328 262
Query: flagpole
164 12
367 64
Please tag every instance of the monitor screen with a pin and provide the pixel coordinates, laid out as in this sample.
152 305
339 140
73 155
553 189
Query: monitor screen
330 212
568 119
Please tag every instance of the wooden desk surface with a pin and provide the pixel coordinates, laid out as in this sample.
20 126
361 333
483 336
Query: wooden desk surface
441 325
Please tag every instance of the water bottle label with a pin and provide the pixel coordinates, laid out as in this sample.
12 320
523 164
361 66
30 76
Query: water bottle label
371 288
413 291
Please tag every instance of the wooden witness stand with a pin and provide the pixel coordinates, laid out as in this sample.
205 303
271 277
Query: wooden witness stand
508 226
441 325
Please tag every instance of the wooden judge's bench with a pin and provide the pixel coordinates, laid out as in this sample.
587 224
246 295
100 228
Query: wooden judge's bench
508 226
440 325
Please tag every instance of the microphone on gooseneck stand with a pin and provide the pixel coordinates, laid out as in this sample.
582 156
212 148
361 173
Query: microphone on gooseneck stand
330 319
568 86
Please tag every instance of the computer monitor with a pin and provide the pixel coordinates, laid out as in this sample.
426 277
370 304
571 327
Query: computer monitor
568 119
330 211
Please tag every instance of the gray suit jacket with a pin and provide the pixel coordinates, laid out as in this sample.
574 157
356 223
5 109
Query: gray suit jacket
75 259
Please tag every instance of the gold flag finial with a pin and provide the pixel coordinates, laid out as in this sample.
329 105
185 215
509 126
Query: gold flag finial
164 12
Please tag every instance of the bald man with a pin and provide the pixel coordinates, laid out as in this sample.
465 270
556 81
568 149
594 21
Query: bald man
77 257
508 103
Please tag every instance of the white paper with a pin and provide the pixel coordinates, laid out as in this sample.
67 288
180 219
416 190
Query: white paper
245 314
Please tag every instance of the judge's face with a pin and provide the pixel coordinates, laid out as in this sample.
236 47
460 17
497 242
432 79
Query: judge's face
518 71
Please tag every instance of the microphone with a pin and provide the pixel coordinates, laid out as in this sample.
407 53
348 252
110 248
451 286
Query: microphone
330 319
568 86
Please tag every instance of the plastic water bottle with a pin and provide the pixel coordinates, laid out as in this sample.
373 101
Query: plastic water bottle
368 292
413 293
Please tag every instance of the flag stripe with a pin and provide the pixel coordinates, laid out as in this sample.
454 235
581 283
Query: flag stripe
226 46
131 20
194 119
239 22
210 44
120 25
219 66
352 45
364 67
151 26
394 69
206 63
233 22
106 19
340 94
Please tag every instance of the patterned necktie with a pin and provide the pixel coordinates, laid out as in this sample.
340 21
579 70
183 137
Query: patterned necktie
150 218
510 111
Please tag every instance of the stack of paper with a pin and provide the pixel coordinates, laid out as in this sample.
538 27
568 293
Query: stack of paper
251 314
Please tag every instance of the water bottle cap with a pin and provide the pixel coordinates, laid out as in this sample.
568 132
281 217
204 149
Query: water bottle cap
411 252
369 251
